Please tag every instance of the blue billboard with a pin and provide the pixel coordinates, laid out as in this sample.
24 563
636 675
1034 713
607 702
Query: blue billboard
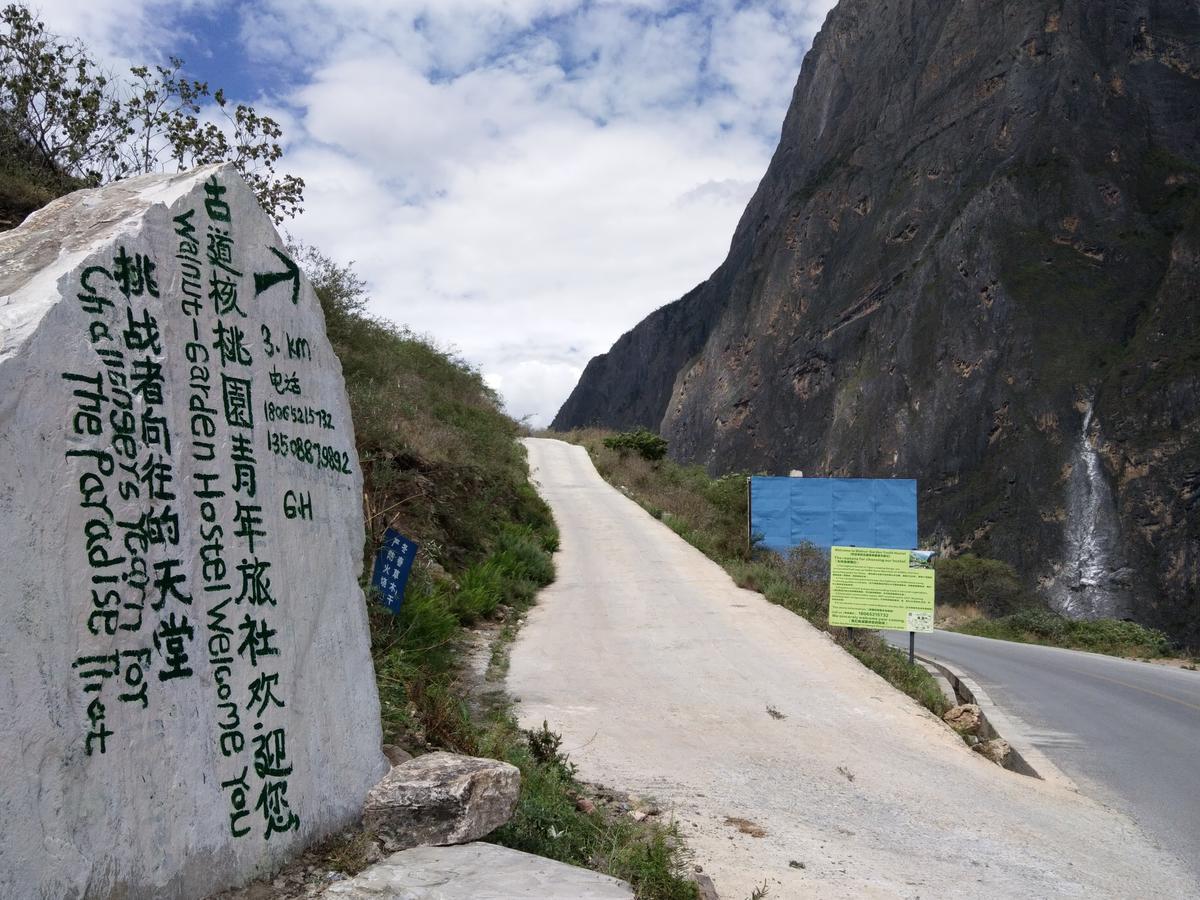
834 512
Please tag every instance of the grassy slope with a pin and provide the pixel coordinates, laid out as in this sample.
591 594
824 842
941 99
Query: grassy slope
442 464
26 183
711 515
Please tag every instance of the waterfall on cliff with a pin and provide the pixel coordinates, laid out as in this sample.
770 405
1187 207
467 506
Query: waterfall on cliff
1084 588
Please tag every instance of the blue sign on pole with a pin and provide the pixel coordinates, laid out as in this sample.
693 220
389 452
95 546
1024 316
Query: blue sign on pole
828 512
392 565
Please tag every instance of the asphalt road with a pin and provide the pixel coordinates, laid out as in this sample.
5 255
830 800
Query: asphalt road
1128 733
770 745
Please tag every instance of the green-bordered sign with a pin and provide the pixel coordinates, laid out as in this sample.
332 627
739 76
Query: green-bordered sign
890 589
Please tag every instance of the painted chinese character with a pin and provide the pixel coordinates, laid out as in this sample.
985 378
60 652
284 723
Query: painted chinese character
142 334
285 384
256 586
148 380
223 292
217 208
135 276
169 640
167 584
151 529
231 344
156 474
239 412
248 523
262 694
242 454
257 640
220 250
155 430
270 755
272 800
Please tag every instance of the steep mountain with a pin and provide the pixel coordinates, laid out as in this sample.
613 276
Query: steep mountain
973 260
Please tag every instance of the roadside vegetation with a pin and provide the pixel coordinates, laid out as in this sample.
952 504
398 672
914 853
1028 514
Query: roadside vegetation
710 514
441 464
1110 636
994 604
975 595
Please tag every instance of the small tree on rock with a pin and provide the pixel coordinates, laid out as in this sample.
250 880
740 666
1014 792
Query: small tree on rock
77 120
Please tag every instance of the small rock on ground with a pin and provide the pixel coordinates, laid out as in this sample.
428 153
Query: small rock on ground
965 719
997 750
397 756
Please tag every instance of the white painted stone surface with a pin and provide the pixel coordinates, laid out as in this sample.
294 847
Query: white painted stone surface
476 872
161 771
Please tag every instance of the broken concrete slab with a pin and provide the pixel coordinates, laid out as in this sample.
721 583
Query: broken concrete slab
476 872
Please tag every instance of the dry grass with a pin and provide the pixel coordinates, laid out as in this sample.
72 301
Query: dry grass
956 616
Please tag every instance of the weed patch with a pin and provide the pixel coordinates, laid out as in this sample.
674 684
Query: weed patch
549 822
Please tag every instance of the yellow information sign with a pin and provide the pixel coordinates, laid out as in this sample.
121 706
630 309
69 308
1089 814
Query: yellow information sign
890 589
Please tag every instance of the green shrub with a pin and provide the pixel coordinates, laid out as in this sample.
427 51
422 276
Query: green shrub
645 444
1112 636
990 584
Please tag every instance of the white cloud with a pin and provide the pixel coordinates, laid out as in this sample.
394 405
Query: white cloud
534 385
119 32
521 179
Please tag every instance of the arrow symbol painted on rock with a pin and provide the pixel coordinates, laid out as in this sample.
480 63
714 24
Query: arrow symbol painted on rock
265 280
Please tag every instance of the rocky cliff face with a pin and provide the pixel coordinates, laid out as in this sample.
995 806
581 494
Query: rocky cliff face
975 260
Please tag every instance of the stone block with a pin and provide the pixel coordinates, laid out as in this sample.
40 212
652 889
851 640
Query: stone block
442 798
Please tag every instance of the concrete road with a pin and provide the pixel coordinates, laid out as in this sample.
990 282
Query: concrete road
770 745
1128 733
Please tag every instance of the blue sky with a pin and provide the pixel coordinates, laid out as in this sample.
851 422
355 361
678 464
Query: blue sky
522 180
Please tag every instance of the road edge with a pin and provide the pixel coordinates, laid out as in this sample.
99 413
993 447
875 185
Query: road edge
1026 758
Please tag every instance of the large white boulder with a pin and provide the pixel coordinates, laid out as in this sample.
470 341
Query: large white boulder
186 687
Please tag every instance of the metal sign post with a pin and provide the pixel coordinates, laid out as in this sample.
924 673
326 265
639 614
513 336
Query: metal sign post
912 646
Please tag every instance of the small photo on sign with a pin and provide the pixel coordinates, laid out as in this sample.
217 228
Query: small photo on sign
921 559
393 563
920 621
